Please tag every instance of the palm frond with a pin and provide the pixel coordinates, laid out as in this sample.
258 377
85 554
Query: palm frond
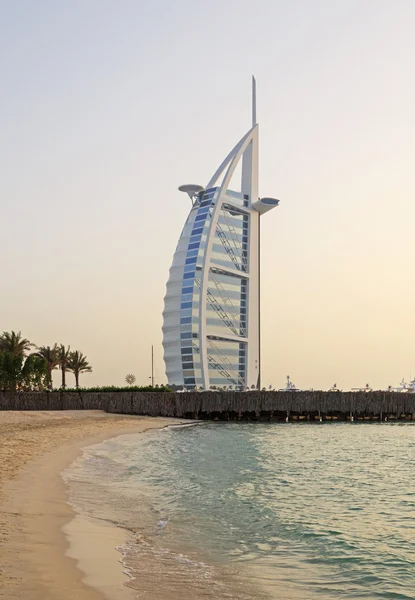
13 342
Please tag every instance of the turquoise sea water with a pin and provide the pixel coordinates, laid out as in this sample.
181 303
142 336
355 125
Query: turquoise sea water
255 510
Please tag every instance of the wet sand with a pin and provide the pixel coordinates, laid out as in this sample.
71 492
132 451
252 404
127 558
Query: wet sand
46 553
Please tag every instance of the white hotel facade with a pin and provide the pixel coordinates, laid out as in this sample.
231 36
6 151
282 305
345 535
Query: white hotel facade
211 317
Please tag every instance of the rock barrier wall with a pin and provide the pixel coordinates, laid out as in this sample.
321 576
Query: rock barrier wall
223 405
53 401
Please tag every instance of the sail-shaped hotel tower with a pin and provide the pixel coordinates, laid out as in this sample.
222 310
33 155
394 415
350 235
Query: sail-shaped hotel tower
211 318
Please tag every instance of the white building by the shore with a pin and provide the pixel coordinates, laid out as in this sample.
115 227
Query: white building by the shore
211 317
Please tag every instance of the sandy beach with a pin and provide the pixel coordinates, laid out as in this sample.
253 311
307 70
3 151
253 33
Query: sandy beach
46 553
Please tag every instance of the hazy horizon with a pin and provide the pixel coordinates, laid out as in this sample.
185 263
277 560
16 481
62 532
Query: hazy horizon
108 107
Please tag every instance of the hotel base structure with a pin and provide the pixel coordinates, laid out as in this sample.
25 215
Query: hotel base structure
211 317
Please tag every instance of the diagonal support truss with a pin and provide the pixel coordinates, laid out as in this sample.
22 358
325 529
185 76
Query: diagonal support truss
225 365
225 242
235 241
220 309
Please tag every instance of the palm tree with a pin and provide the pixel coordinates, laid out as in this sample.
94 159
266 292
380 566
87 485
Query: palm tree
34 373
51 356
14 343
78 364
63 357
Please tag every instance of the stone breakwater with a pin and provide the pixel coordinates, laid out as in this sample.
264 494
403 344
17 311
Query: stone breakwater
278 406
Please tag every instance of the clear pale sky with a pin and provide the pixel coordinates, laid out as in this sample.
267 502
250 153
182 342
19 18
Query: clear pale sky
107 106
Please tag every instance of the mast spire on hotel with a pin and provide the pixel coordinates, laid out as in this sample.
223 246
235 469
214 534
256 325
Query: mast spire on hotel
253 101
211 317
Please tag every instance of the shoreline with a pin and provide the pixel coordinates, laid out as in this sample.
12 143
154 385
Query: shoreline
50 551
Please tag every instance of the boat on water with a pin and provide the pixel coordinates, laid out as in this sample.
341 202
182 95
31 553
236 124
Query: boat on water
404 387
334 388
290 386
367 388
